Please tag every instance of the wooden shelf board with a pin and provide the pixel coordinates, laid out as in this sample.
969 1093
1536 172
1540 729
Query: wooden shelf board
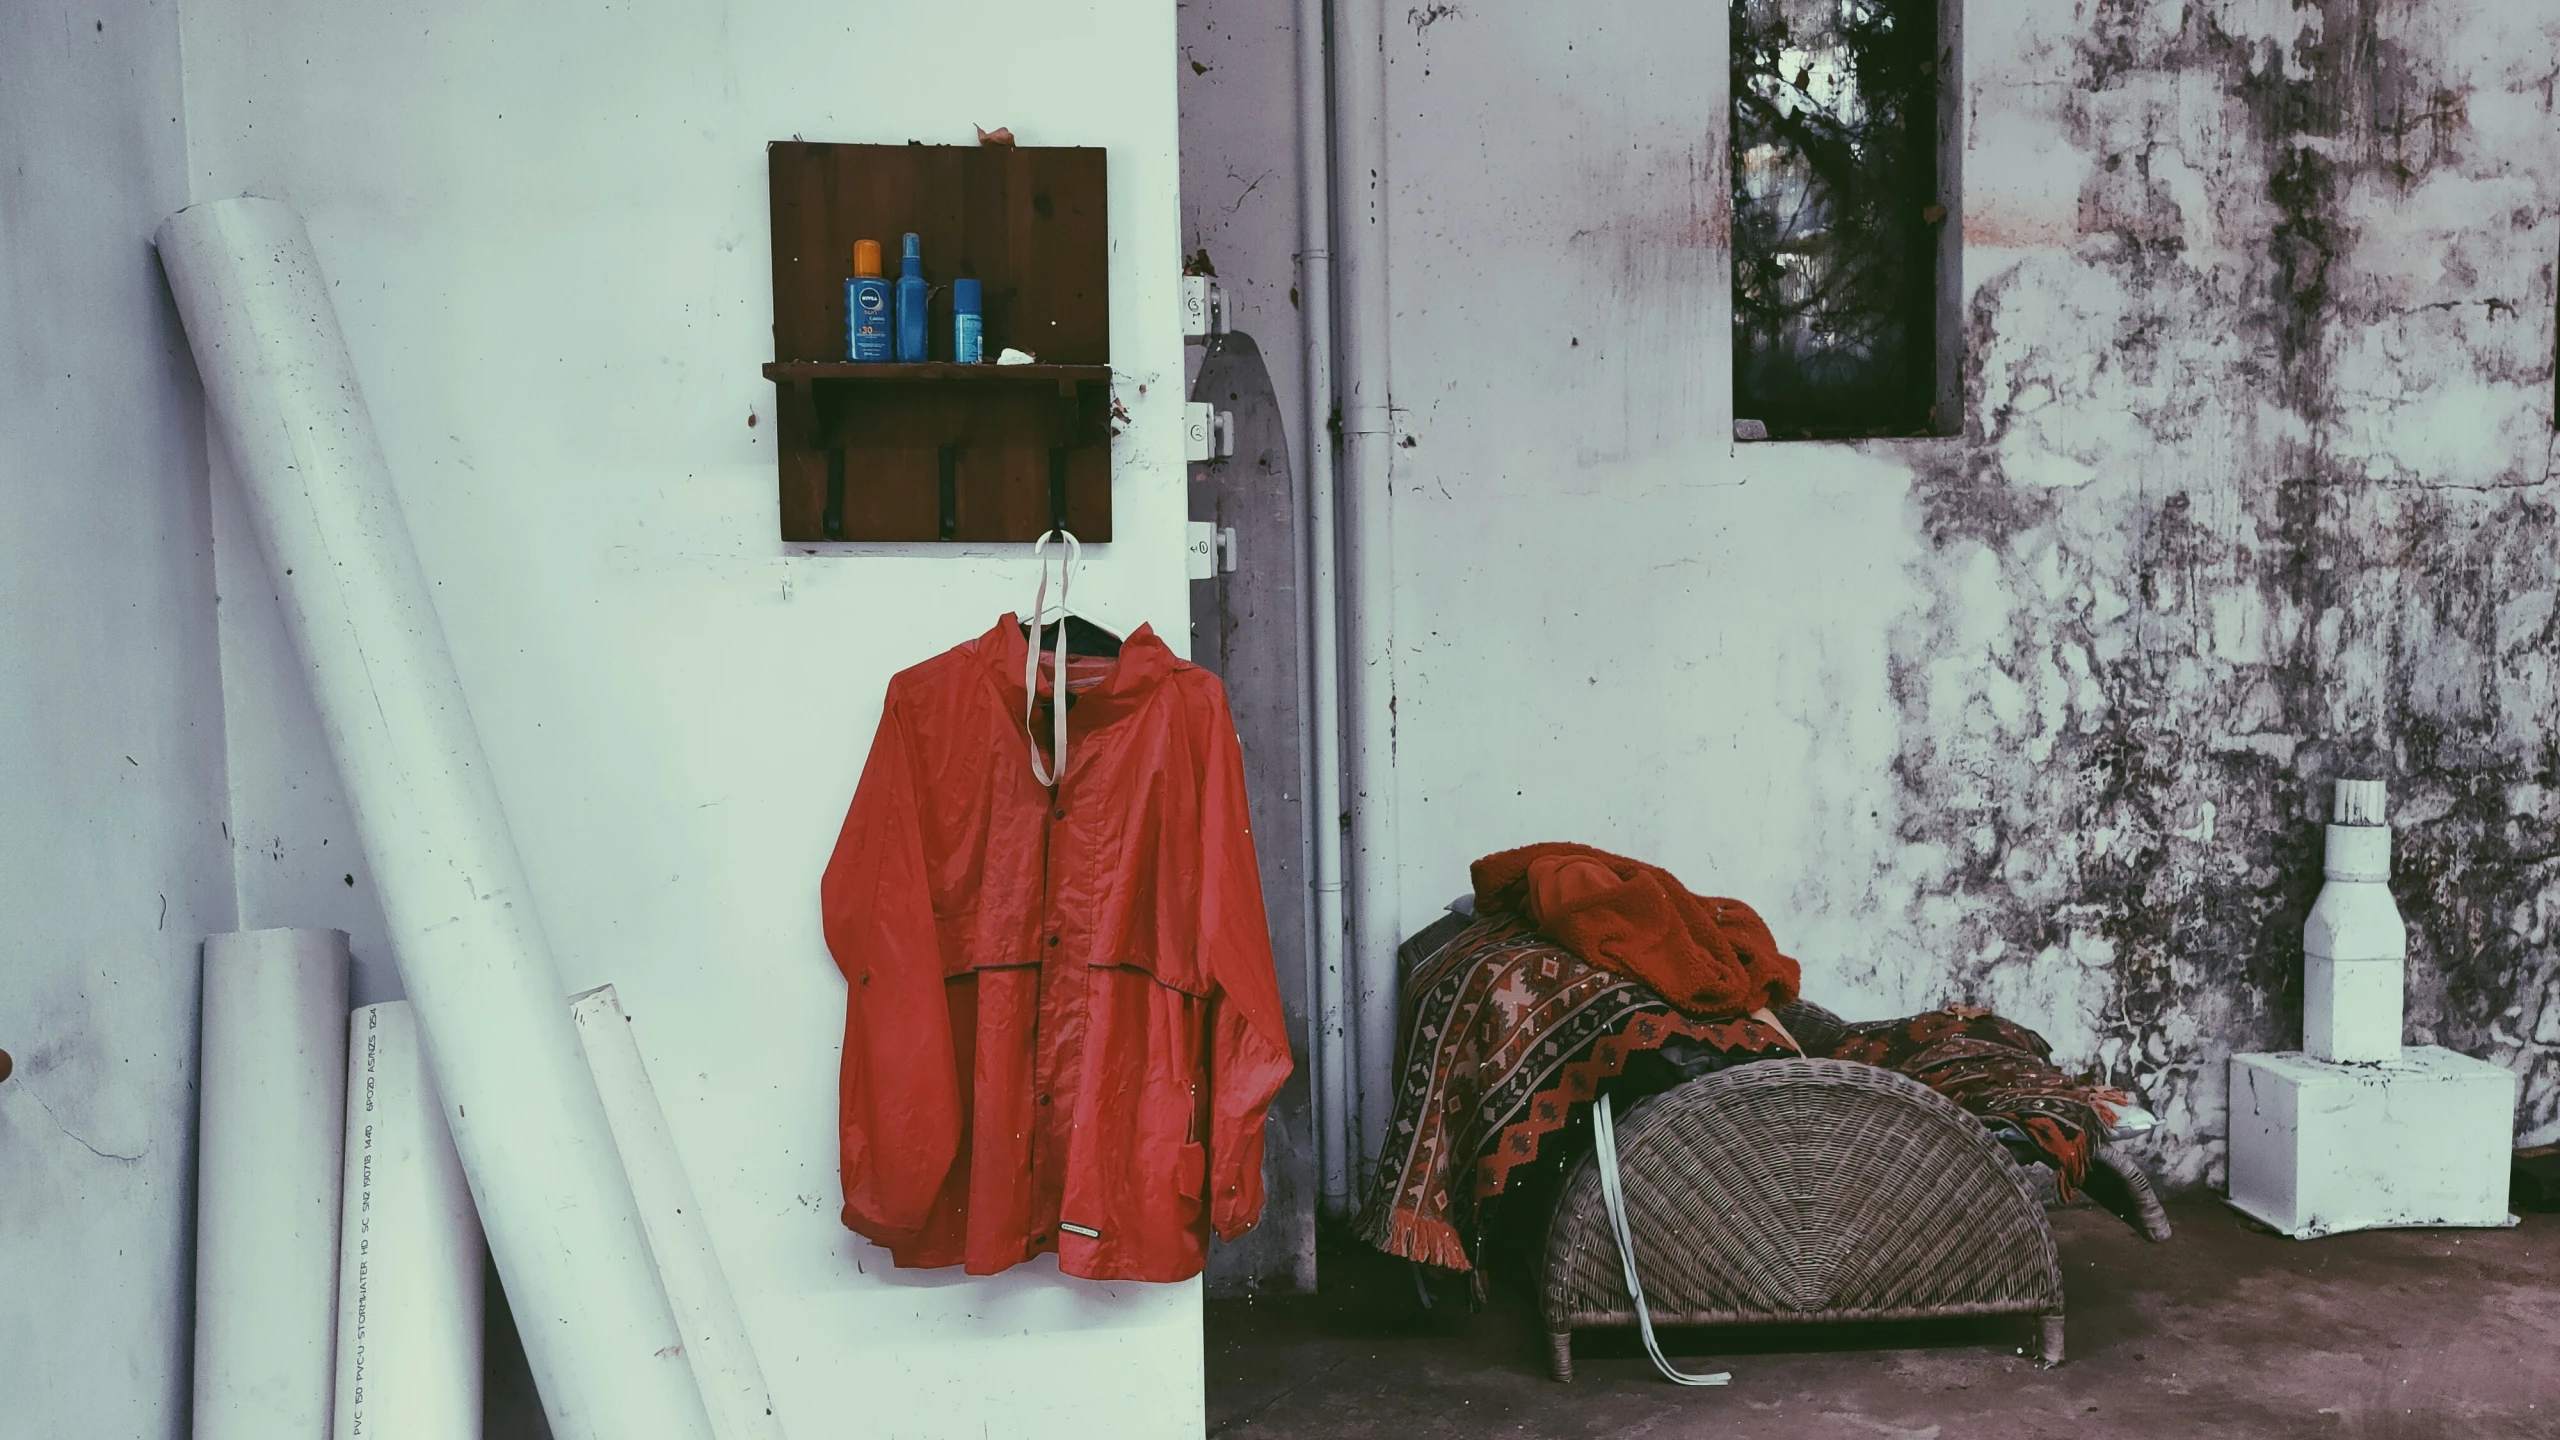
789 370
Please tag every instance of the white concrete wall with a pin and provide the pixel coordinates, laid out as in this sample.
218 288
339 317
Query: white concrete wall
112 860
2256 487
546 227
1240 195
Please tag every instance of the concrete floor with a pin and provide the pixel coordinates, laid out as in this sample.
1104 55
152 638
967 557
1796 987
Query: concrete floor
2223 1331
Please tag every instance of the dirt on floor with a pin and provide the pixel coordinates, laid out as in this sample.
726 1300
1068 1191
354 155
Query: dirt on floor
2225 1330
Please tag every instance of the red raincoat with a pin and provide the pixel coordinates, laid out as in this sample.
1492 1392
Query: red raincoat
1061 1022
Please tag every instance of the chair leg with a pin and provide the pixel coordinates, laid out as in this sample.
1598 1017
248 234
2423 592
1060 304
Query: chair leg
1560 1355
2049 1341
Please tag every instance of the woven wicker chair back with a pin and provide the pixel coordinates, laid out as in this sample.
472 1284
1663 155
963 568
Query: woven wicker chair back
1803 1190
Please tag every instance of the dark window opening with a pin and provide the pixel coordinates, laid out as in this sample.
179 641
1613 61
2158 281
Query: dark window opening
1836 216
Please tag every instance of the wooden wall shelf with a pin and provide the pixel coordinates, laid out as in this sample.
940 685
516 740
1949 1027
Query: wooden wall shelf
805 370
941 451
844 405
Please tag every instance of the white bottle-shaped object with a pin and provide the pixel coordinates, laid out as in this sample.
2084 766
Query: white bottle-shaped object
2355 949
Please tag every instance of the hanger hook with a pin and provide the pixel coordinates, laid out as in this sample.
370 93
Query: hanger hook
1052 768
1072 551
1041 545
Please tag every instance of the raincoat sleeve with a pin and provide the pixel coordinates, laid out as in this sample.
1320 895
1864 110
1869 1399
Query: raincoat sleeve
1248 1034
900 1116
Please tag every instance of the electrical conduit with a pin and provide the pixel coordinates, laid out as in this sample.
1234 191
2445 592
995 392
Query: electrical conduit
1337 1141
1360 251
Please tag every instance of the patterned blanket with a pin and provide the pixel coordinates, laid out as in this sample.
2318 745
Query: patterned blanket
1504 1032
1998 1070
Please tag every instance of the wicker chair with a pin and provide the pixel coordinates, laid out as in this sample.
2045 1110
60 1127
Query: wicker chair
1802 1190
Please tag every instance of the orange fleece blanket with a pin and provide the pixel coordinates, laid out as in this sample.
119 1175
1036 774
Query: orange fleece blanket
1704 954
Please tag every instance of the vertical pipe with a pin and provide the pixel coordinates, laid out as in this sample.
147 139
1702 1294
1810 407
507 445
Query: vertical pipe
273 1092
409 1298
1338 1142
715 1335
517 1094
1360 250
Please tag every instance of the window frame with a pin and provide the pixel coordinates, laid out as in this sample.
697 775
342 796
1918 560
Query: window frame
1946 347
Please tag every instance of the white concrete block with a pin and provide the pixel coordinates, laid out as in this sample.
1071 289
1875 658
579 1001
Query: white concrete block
2317 1149
2351 1009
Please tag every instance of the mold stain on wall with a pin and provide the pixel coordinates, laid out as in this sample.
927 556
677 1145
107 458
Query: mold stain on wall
2258 489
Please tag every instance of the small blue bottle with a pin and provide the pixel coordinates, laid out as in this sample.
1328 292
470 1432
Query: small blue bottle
968 324
866 306
911 303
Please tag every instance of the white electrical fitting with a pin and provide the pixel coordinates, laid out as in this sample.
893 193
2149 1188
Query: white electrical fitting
1210 549
1207 433
1204 307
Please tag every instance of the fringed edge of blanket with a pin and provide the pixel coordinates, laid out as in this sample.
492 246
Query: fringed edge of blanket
1410 1236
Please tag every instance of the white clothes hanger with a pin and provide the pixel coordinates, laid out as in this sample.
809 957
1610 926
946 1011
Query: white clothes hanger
1031 659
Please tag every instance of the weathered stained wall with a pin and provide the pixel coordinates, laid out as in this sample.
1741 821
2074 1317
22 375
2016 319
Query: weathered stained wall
2259 471
2256 488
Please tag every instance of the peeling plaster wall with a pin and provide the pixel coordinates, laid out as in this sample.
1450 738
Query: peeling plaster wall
113 865
2256 488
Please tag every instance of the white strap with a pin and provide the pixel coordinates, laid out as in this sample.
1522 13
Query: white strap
1604 1142
1031 661
1769 1017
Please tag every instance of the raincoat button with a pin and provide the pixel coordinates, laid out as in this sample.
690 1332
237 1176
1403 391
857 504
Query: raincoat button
1058 814
1053 942
1044 1099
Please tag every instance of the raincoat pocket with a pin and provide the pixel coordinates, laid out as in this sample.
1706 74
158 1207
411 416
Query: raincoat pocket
1168 971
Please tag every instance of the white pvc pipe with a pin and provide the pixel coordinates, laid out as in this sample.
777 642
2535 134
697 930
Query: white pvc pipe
410 1303
1360 251
715 1334
271 1093
523 1108
1321 728
2355 947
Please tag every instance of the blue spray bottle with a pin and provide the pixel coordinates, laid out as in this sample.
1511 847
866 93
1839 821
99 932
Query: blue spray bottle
911 303
968 323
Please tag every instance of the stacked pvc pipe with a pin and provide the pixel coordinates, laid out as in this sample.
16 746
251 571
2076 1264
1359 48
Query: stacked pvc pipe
522 1105
2355 948
409 1296
272 1098
715 1335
